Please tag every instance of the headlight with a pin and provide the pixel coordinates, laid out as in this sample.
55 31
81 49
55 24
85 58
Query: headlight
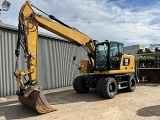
82 65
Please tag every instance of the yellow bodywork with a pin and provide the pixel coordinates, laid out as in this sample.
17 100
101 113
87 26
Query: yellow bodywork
85 66
130 68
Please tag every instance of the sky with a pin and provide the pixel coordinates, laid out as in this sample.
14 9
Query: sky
131 22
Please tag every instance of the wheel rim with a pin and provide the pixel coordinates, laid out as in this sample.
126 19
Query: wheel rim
112 87
132 83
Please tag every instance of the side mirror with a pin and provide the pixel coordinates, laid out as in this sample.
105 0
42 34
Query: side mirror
74 58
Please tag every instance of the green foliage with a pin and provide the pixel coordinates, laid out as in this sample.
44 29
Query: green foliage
145 59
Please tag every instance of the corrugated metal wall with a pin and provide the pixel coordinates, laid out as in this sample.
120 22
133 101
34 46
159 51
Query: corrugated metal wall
55 64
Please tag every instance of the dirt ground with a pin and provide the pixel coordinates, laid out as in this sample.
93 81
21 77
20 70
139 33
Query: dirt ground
142 104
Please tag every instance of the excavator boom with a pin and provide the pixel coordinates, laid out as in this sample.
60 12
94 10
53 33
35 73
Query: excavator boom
30 93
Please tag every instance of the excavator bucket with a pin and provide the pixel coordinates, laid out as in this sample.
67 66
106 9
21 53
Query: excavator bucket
37 101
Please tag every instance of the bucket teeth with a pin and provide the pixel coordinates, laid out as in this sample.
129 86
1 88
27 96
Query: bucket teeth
37 101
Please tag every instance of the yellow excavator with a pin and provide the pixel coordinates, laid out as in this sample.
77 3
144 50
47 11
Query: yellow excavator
107 69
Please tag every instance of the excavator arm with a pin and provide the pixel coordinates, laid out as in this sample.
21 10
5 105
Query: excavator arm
30 92
28 16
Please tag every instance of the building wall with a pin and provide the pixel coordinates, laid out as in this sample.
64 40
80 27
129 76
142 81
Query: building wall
55 64
132 50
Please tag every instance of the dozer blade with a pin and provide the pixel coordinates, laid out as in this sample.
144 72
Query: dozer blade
37 101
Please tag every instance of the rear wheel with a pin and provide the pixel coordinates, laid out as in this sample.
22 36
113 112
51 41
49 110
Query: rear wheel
107 87
131 84
79 85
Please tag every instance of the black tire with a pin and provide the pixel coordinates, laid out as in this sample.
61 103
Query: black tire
107 87
99 86
79 85
131 84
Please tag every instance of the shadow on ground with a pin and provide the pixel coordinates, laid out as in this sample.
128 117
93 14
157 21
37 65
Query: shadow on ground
15 110
70 96
149 111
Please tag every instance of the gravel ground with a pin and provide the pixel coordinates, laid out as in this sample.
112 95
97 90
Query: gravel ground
142 104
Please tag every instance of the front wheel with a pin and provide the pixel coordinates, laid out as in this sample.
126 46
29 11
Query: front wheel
79 85
131 84
107 87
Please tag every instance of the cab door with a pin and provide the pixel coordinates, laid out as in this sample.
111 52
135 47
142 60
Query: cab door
116 51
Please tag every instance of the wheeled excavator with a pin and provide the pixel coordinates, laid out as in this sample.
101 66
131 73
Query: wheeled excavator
107 69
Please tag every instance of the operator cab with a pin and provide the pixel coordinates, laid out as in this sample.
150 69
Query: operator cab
108 55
